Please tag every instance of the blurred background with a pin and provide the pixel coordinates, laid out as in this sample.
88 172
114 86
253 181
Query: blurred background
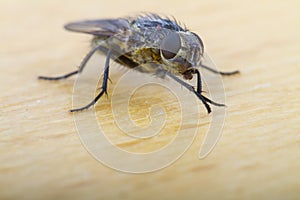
257 157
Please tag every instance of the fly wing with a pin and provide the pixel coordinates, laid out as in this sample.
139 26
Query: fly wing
102 27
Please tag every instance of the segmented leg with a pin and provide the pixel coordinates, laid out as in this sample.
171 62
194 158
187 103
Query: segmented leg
80 68
221 73
103 88
197 92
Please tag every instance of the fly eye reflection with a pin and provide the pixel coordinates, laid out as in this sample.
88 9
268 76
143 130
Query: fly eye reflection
170 45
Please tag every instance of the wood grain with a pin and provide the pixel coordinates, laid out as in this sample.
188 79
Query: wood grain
257 157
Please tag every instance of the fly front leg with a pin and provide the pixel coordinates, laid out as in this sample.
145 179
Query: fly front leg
199 89
218 72
104 85
197 92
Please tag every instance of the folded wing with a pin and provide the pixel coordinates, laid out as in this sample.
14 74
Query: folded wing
102 27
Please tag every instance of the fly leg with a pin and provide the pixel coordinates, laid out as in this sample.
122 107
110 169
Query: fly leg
103 88
218 72
80 68
199 89
197 92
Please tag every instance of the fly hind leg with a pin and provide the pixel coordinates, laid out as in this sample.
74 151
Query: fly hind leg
80 68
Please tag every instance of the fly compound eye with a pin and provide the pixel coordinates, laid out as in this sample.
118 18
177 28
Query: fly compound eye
170 45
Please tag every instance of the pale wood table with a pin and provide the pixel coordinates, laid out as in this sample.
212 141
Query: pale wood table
257 157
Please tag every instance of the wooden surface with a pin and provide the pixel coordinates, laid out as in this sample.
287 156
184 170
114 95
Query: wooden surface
257 157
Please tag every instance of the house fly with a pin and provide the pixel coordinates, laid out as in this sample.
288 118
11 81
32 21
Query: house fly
148 43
